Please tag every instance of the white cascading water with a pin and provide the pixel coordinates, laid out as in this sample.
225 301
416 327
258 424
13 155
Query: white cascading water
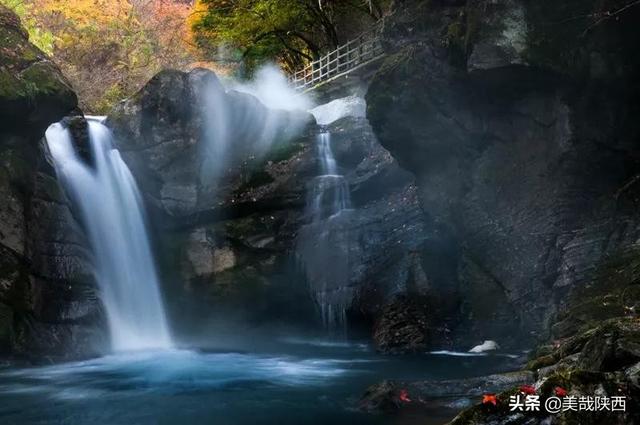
330 193
323 244
110 205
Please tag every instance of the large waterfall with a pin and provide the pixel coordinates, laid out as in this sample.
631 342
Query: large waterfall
107 198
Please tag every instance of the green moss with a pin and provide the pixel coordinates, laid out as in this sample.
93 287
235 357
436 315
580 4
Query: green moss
462 33
10 87
395 69
24 71
42 79
543 361
257 179
254 171
613 293
283 151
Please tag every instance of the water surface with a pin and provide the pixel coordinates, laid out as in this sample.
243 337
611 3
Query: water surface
305 382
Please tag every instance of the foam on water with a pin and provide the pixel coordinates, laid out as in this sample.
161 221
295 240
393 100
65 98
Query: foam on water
171 371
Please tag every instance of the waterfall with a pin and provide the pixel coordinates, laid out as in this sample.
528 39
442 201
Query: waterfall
324 243
330 192
109 203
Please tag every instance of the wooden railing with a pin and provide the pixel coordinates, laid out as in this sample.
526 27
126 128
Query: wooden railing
343 60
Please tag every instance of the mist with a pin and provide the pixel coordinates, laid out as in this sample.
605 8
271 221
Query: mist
271 87
246 120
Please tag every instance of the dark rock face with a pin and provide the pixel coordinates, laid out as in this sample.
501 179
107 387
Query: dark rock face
79 128
524 155
47 302
402 327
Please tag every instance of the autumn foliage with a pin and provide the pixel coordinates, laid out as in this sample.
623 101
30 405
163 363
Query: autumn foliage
109 48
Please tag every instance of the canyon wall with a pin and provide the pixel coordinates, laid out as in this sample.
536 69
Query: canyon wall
518 119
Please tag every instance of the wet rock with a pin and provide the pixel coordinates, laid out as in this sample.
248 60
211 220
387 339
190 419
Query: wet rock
612 347
79 128
390 396
402 328
204 258
503 36
382 397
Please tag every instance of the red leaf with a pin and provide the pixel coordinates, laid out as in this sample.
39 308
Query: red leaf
528 389
560 392
404 396
490 399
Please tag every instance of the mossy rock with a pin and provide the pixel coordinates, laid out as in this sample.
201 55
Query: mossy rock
613 293
283 151
255 180
396 71
31 86
613 346
593 342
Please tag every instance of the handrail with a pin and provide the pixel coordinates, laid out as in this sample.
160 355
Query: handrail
357 52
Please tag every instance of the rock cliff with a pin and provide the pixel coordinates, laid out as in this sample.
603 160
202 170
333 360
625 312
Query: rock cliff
523 143
47 302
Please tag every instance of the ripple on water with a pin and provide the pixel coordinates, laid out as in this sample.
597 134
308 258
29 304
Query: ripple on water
172 371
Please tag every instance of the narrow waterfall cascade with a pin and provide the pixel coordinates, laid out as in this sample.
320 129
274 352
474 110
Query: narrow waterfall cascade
109 203
330 192
323 244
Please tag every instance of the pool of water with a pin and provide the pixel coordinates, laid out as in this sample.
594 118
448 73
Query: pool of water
304 382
